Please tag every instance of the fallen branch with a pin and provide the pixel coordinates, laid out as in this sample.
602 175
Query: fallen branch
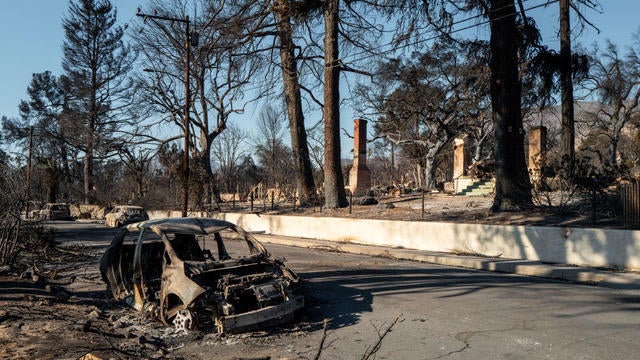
374 349
324 337
63 250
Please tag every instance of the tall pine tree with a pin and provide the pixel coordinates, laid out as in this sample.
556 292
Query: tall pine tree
96 62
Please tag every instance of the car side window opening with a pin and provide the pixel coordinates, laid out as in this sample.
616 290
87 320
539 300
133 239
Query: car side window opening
186 247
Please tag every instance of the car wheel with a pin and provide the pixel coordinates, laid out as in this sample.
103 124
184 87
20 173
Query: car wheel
184 321
169 307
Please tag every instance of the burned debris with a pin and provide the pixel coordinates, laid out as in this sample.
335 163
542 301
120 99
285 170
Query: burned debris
197 272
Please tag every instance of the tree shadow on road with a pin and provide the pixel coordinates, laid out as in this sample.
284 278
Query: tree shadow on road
344 295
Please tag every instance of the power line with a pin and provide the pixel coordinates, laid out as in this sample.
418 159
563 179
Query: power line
370 55
417 42
481 15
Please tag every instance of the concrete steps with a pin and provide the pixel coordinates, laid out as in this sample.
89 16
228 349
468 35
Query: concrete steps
477 188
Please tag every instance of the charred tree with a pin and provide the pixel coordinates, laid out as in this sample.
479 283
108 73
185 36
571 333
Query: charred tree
513 187
303 169
567 140
334 192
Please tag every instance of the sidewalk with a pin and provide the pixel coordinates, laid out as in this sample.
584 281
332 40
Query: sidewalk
581 275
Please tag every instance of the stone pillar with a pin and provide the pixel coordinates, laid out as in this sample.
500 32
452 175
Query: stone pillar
461 156
537 150
359 176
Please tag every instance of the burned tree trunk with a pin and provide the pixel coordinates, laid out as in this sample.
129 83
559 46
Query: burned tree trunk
513 188
304 172
334 193
568 129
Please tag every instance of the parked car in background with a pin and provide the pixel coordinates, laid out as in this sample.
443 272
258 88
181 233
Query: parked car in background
125 214
55 211
200 273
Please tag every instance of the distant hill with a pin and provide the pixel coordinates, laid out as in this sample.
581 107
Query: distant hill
550 118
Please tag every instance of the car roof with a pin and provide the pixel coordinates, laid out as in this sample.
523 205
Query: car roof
128 207
186 225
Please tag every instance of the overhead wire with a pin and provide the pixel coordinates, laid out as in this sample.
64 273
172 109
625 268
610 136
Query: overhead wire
420 41
370 54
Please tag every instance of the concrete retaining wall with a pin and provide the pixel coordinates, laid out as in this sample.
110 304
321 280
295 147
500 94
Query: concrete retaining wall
578 246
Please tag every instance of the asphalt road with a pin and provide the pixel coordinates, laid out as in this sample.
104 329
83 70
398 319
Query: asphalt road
446 313
82 233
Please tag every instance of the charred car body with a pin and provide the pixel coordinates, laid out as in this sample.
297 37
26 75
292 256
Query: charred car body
200 272
125 214
55 211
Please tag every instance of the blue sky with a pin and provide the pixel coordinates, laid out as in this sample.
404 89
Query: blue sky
31 38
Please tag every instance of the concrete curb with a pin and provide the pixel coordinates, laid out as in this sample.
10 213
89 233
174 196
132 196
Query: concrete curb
580 275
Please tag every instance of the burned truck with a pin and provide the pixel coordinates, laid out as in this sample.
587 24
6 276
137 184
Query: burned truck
199 272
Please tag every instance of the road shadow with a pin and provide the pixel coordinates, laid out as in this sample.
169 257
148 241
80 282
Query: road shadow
344 295
16 289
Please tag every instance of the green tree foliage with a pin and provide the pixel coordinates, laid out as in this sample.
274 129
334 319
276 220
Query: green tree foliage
45 111
96 62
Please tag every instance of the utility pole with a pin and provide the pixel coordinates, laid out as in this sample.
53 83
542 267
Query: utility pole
187 104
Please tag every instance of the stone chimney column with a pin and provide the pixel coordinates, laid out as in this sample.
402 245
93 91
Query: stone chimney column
461 156
359 176
537 151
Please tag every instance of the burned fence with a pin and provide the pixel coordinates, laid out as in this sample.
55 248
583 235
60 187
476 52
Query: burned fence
630 203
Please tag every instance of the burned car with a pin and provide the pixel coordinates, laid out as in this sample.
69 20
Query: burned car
198 272
125 214
55 211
